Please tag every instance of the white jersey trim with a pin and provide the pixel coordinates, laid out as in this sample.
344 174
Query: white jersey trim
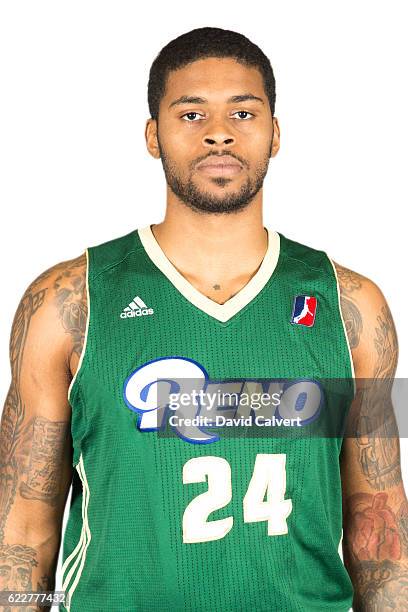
221 312
79 553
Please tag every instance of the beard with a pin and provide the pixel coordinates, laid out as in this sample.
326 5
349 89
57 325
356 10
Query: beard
203 201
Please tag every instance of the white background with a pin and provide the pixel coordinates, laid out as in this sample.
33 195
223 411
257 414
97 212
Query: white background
75 171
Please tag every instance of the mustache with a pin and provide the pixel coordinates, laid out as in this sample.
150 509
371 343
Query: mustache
215 155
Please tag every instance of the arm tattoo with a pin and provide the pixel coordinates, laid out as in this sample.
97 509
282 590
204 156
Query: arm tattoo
16 574
350 282
376 435
381 587
14 411
71 300
376 553
45 462
373 419
386 344
402 519
373 528
17 562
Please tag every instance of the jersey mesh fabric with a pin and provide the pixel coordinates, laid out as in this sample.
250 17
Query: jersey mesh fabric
123 547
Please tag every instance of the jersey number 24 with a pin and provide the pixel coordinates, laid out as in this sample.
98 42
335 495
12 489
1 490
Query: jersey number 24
268 480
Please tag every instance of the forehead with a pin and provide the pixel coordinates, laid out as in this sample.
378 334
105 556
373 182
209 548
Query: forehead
215 79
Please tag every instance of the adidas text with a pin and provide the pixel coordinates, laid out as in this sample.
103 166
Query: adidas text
139 312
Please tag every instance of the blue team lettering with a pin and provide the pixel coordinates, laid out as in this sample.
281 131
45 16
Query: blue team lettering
178 391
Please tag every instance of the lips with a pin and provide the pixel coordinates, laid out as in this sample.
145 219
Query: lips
219 165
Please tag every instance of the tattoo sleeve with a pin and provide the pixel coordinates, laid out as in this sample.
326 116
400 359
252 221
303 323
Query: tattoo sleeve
35 446
375 508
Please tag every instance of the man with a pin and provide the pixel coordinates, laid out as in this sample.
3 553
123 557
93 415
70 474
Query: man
167 512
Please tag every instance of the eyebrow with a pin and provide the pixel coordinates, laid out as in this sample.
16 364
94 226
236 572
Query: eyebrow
231 100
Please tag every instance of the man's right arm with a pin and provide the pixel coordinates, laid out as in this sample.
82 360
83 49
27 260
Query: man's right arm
35 438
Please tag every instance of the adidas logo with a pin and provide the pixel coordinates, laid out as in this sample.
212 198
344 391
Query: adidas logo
136 308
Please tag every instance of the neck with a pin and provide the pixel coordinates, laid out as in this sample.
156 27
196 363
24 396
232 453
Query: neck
217 253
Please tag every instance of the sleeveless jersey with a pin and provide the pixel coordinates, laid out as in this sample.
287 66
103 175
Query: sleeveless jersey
181 515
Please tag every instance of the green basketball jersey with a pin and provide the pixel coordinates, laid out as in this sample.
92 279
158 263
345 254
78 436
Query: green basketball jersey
243 510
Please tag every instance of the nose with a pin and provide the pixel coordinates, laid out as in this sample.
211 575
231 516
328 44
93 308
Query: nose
217 133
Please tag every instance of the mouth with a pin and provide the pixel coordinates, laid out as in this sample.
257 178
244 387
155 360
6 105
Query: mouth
224 165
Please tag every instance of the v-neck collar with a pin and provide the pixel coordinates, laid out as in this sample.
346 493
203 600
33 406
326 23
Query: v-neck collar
221 312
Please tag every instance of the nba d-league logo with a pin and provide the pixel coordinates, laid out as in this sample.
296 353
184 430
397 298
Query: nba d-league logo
149 391
304 310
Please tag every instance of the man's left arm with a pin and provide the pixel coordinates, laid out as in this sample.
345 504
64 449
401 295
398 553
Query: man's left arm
375 507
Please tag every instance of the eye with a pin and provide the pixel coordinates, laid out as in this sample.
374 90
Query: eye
189 115
245 113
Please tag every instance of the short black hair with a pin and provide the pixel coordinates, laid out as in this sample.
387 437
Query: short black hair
202 43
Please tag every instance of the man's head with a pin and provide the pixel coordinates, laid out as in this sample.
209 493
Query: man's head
211 97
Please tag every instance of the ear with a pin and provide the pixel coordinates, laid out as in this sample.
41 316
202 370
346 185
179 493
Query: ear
276 137
152 143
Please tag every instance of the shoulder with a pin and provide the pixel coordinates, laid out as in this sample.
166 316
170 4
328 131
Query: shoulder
106 255
369 324
51 316
303 254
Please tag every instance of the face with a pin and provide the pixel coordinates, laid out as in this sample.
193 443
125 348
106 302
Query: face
215 134
15 575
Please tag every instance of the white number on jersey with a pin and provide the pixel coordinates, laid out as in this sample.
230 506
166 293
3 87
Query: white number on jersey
196 528
268 479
